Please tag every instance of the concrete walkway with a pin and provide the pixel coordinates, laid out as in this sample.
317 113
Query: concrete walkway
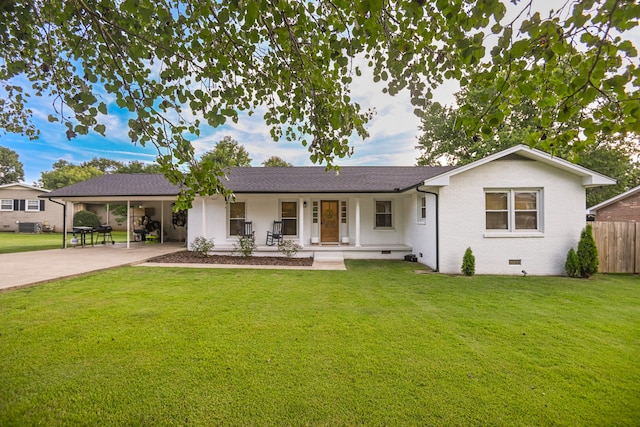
30 268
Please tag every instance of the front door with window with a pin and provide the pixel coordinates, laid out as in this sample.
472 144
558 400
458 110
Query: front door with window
329 221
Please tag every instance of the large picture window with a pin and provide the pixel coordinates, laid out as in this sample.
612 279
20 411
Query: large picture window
512 210
384 215
289 217
237 217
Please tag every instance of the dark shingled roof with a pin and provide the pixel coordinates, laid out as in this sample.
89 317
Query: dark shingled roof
313 179
134 184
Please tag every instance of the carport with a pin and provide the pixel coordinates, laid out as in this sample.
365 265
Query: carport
149 201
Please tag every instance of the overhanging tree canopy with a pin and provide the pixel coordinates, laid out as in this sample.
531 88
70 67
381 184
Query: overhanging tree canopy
176 64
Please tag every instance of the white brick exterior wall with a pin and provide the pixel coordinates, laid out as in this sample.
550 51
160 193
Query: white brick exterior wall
462 219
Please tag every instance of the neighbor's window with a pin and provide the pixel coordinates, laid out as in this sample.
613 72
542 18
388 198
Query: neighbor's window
33 205
512 210
6 205
289 217
237 217
384 217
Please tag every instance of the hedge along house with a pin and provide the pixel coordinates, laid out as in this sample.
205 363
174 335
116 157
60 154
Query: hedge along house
149 200
520 209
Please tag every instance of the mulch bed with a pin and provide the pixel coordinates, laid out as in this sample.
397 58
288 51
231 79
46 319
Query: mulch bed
190 257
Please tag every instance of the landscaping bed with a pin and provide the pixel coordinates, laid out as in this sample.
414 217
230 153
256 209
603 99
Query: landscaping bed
190 257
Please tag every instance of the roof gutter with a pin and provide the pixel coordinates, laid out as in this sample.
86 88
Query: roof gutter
437 226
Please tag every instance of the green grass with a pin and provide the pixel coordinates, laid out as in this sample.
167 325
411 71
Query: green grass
25 242
375 345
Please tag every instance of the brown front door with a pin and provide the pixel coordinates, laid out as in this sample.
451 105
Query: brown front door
329 225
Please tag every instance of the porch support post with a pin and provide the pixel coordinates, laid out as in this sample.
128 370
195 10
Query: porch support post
358 245
301 221
128 222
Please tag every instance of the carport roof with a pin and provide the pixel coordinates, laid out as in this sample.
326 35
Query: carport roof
312 179
119 185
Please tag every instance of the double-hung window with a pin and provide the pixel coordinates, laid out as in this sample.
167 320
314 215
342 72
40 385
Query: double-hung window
237 217
384 215
512 210
289 217
33 206
6 205
422 209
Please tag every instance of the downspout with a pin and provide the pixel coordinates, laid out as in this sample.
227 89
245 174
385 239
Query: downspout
64 222
437 227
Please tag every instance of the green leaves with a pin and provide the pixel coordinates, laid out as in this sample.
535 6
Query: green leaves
179 66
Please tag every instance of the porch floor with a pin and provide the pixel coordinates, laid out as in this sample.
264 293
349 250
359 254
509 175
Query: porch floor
393 251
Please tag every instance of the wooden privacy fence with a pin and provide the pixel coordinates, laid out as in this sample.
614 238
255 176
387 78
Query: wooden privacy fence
618 246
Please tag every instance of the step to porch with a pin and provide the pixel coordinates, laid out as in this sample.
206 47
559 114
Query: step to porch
328 261
337 256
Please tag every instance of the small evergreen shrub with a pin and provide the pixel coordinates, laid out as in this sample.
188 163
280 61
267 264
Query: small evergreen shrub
289 248
468 263
245 246
86 219
202 246
572 265
587 253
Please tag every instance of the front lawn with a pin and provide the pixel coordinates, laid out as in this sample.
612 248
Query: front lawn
375 345
25 242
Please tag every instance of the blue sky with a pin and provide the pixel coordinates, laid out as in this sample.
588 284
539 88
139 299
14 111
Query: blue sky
394 132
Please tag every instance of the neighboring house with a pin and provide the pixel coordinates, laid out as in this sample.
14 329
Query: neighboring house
520 209
22 209
623 207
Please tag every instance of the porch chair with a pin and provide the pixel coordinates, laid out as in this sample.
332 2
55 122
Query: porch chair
247 230
275 235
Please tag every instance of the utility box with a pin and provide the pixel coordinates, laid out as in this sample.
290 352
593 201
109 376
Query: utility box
29 227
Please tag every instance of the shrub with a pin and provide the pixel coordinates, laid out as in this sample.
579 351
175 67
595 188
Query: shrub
245 246
572 265
587 253
86 219
468 263
289 248
202 246
120 213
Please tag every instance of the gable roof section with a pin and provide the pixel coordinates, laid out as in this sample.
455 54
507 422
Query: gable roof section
315 179
614 199
589 177
27 186
114 185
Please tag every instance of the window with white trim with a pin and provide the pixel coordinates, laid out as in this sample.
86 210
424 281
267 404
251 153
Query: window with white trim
422 209
289 217
237 217
512 210
384 214
6 205
33 206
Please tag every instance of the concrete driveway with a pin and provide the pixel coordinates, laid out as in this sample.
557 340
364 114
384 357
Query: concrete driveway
29 268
